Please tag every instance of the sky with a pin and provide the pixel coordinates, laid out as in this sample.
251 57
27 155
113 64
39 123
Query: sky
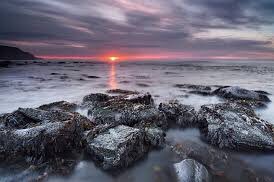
144 29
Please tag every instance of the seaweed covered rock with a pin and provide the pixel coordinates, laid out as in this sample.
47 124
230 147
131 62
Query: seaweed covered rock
238 93
221 164
96 98
155 137
118 147
178 114
60 105
229 125
38 135
131 110
191 171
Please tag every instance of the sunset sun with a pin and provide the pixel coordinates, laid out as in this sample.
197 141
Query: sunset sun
113 58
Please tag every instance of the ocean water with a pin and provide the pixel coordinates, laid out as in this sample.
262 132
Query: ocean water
41 82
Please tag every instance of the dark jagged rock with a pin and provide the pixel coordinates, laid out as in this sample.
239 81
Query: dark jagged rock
94 98
61 105
41 142
191 171
15 120
238 93
193 87
178 114
55 73
155 137
45 116
145 99
118 147
38 135
5 64
121 91
262 92
142 85
13 53
131 110
220 164
90 76
229 125
252 104
216 160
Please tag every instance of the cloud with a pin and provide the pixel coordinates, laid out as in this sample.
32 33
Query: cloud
90 27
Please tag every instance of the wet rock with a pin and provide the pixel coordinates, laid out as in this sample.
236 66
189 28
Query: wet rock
5 64
191 171
64 77
81 79
155 137
38 135
55 74
61 62
97 130
90 76
193 87
131 110
216 160
142 77
262 92
39 115
14 120
229 125
178 114
94 98
121 91
39 143
124 81
252 104
145 98
60 105
118 147
142 85
222 165
238 93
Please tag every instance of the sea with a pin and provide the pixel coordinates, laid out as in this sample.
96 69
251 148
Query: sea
33 83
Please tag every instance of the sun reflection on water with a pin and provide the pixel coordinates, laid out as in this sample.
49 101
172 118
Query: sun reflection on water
112 77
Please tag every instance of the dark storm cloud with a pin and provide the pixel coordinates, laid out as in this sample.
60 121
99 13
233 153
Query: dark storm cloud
89 27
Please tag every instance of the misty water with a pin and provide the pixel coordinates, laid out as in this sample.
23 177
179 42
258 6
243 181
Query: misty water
41 82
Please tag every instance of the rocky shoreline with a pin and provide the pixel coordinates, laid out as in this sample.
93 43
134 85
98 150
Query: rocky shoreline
121 129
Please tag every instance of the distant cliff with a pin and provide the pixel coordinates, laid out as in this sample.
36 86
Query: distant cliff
13 53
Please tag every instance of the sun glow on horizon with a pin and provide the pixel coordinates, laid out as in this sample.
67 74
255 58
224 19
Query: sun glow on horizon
113 58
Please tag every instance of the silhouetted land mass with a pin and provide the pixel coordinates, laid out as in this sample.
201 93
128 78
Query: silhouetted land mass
14 53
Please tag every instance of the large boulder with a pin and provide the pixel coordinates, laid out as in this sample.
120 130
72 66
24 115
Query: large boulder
178 114
221 164
238 93
190 170
229 125
118 147
131 110
38 135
